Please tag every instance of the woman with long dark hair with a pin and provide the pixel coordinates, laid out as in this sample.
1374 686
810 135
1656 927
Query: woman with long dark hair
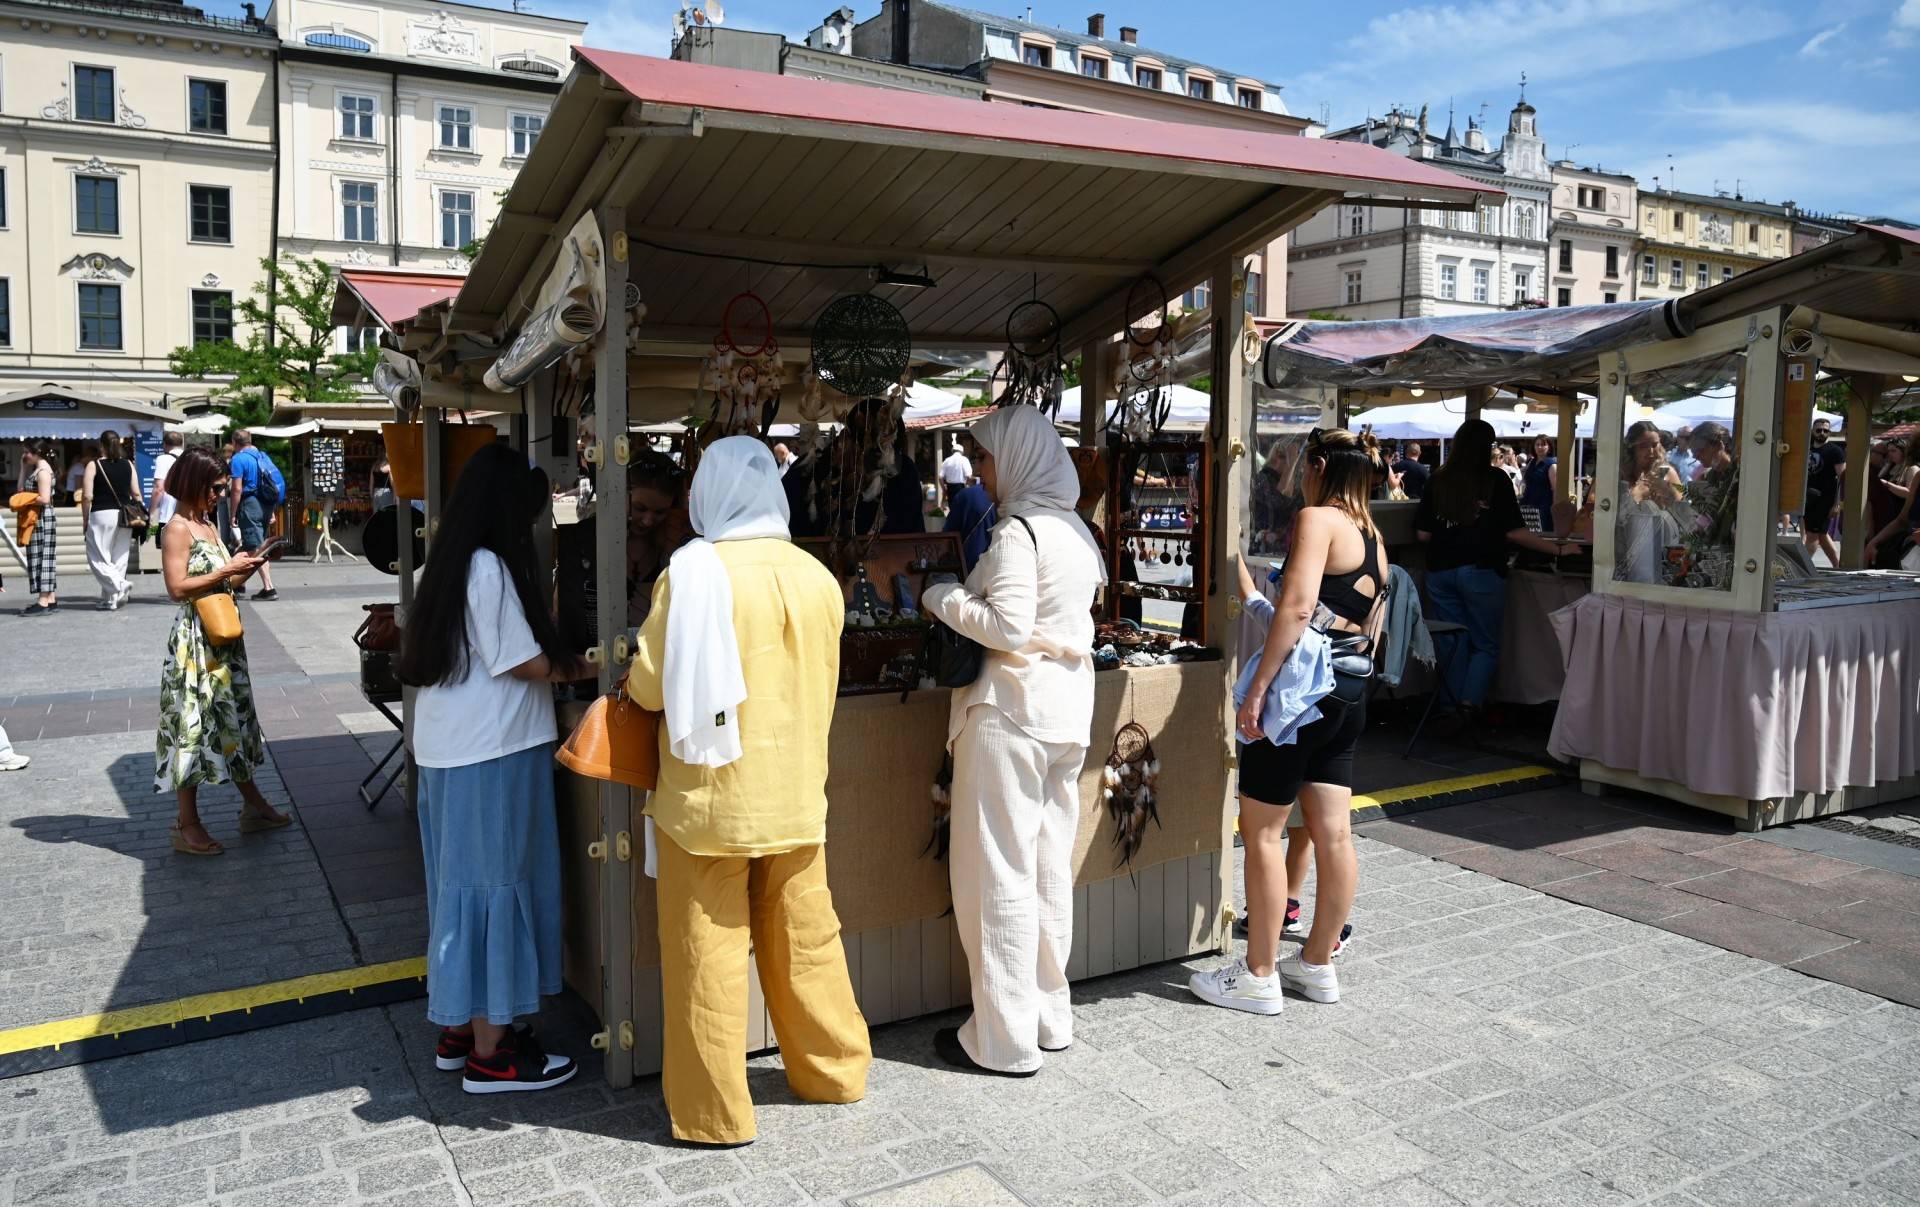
209 732
657 525
1338 562
43 547
109 485
1468 519
1542 481
480 645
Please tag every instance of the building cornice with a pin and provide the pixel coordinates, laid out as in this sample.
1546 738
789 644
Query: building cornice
1624 232
383 65
1656 245
114 141
159 30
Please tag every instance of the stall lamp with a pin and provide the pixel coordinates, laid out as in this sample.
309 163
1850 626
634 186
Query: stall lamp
1418 393
1519 408
1910 379
884 276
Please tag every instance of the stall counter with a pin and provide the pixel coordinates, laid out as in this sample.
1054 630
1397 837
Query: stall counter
891 893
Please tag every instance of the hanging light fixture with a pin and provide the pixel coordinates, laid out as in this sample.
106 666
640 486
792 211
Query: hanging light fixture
1519 408
1417 392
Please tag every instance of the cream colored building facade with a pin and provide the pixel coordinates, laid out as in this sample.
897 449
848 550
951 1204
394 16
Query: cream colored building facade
136 190
1590 245
403 124
1689 241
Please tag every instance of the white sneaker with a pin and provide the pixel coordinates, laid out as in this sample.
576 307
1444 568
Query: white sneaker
1236 988
15 762
1315 982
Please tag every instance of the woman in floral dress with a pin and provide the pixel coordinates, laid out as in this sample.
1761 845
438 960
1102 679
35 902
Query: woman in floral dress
209 732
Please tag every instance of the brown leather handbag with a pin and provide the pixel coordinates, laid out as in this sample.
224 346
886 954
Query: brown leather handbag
219 617
616 740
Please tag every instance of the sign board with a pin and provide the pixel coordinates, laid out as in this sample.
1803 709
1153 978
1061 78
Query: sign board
146 450
53 404
571 306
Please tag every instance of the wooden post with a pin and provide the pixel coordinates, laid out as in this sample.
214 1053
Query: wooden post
1096 368
1856 517
403 521
1231 432
610 582
1477 400
1757 511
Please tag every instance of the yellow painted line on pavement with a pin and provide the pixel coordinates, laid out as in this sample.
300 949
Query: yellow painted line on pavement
1465 783
205 1006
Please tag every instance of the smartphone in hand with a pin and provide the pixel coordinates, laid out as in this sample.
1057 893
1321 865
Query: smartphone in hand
273 549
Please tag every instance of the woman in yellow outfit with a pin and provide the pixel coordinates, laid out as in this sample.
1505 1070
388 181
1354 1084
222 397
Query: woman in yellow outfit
741 651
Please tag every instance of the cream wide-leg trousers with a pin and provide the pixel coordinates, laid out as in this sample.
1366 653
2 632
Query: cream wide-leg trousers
1016 814
107 548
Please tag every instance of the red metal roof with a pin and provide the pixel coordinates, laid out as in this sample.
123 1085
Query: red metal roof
394 296
1906 233
732 90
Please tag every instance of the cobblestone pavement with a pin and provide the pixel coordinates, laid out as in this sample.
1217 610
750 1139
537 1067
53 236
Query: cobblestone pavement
1497 1042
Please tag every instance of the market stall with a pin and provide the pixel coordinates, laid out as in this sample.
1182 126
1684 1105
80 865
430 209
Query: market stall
698 241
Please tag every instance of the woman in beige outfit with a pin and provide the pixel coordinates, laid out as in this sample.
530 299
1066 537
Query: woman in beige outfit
1019 737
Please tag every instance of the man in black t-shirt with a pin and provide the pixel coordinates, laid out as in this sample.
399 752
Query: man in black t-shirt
1413 475
1826 464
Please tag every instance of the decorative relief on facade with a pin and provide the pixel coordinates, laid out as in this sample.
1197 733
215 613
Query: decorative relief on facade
1715 229
210 281
60 111
359 256
443 36
457 263
95 167
128 118
93 266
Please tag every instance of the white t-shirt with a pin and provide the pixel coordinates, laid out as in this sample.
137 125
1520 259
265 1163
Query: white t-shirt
163 511
76 477
956 469
487 714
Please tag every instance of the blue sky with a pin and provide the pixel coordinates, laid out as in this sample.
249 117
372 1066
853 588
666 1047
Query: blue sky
1815 101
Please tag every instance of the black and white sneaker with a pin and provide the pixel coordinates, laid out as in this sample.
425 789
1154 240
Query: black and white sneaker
450 1052
521 1066
1345 941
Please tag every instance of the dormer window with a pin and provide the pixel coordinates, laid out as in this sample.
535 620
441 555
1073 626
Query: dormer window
1199 87
1250 98
530 67
1093 66
1148 77
1035 55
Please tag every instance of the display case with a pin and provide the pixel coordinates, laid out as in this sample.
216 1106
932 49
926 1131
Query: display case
883 579
1158 542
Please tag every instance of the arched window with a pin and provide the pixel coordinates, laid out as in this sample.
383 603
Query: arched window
525 66
333 41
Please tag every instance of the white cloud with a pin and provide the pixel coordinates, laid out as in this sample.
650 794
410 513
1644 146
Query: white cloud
1908 15
1815 44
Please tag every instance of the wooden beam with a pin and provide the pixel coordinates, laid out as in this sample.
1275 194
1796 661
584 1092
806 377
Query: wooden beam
836 255
1855 516
1477 397
1227 537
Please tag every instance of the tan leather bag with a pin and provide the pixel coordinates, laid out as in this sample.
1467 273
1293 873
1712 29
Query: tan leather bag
219 617
616 740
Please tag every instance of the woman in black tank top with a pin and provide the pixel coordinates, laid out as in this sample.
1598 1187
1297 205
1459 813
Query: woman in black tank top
108 486
1316 768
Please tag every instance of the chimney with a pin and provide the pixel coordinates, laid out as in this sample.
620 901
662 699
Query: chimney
1130 35
903 32
1097 25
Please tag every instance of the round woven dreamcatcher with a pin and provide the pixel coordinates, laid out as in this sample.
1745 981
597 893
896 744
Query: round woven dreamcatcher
1148 356
1131 790
861 345
744 375
1030 374
1146 312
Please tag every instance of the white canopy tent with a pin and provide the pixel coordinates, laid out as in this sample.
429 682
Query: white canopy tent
1191 408
1713 408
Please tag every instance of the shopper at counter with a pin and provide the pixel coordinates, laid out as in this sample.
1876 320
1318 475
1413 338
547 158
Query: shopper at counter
1019 736
481 647
741 652
1468 520
656 526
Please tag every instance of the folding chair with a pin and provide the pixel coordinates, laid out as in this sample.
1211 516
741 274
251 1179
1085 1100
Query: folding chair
1449 643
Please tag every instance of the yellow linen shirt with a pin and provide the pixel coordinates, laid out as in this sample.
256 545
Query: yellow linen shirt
787 615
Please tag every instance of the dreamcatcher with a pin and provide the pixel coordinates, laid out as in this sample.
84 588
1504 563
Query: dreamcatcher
941 838
1131 790
1146 366
861 345
744 375
1030 373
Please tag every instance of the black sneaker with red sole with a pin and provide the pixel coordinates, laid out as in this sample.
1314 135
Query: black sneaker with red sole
451 1051
524 1066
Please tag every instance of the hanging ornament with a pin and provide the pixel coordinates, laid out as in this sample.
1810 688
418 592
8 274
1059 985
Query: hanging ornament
1030 373
1130 790
861 345
1148 357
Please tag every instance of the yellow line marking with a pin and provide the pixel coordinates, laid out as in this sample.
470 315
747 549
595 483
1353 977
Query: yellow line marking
205 1005
1465 783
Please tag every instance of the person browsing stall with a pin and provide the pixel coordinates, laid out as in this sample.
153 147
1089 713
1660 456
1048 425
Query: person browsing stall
741 652
1019 735
482 648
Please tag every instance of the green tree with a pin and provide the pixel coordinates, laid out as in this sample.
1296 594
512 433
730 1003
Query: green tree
283 345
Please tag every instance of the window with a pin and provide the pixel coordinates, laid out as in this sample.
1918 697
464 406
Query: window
1353 288
1036 56
356 117
1489 220
1649 271
1563 297
1482 283
1610 298
530 67
456 219
1753 232
93 94
456 128
359 339
1676 275
1250 98
1700 277
1199 89
1679 222
96 205
6 313
1147 77
340 42
210 214
1357 221
526 129
1613 262
1522 284
3 199
1197 298
1449 281
1592 198
1726 274
359 211
1093 66
212 316
1254 287
207 106
100 317
1566 255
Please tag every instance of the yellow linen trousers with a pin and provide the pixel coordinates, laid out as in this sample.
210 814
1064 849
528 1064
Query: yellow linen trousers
710 908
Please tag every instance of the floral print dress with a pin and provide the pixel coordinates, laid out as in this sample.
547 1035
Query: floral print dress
209 733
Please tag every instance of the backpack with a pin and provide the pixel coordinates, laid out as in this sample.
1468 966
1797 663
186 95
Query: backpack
273 488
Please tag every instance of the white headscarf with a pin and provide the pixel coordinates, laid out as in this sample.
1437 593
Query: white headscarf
1032 470
736 496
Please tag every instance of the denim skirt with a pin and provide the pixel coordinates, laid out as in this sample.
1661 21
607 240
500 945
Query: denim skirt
492 848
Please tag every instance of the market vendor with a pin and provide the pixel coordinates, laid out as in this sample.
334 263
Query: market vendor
865 482
656 526
741 652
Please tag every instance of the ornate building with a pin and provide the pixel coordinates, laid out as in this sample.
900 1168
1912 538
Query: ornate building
1689 241
1591 241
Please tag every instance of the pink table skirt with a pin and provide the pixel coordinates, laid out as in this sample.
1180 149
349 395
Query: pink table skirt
1532 670
1749 706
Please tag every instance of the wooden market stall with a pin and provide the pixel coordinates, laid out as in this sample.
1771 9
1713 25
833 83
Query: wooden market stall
663 194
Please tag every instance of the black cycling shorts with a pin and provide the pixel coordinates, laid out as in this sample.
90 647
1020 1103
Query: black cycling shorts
1322 753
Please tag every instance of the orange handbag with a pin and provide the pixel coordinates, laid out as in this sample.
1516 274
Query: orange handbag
616 740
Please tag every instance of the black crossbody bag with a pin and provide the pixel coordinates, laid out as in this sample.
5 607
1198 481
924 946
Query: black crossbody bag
952 659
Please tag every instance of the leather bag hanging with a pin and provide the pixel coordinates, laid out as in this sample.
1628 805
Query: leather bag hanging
616 740
379 632
951 659
219 617
132 515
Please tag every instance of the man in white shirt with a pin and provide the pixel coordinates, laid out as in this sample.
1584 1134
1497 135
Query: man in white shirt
165 504
956 472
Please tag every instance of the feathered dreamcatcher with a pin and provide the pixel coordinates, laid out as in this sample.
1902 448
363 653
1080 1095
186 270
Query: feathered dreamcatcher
942 835
744 376
1131 790
1030 373
1148 356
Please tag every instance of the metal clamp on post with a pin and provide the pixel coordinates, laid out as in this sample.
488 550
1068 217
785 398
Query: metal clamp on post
597 849
626 1035
601 1041
622 650
596 653
1233 607
623 846
622 449
592 454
